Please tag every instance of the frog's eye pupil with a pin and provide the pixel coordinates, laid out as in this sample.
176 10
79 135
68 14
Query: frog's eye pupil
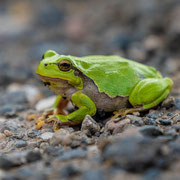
65 65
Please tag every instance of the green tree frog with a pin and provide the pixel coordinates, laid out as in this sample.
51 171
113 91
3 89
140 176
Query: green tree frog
109 83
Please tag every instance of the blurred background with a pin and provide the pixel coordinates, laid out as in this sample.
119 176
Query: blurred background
147 31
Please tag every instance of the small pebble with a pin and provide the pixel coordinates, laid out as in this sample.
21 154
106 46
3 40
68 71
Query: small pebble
132 153
44 145
153 116
176 127
165 122
18 136
168 102
53 151
68 172
8 133
136 120
20 144
150 121
20 108
6 109
2 136
117 127
105 134
90 126
11 114
176 118
46 136
7 163
33 133
170 114
177 103
170 132
94 175
33 156
151 130
62 136
75 153
21 118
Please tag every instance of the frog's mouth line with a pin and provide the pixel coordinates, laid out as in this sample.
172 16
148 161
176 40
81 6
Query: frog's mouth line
47 79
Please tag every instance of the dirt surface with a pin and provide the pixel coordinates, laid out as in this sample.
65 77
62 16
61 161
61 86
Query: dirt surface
140 146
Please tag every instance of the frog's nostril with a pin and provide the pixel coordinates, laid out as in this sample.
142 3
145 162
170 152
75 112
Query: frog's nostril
45 64
47 83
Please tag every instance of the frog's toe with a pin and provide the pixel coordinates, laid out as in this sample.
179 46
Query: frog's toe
39 124
123 112
51 118
44 120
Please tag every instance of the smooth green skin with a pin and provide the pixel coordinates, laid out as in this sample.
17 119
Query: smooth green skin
143 84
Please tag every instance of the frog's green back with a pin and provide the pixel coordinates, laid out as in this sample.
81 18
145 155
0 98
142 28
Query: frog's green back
113 75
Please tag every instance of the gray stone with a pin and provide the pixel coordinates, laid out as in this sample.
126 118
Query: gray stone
165 122
150 121
68 171
151 115
33 156
134 153
168 102
33 133
75 153
115 126
46 136
14 160
90 126
20 144
151 130
135 120
94 175
177 103
62 136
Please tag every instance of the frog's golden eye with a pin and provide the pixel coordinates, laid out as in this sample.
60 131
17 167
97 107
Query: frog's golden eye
65 65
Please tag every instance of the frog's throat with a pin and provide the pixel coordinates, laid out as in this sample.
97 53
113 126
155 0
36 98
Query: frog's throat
78 84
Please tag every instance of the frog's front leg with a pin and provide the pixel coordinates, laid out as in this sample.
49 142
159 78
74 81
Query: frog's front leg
57 108
60 104
86 106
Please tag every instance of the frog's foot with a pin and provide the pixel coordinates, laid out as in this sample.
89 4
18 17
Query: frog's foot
40 122
60 120
123 112
42 119
45 120
85 104
58 108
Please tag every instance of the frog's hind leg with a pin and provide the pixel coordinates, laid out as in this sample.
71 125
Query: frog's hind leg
148 93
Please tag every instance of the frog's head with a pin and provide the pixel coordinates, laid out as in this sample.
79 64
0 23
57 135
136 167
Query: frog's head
58 68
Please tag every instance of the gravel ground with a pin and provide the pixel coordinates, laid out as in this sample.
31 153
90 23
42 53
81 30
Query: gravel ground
140 146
